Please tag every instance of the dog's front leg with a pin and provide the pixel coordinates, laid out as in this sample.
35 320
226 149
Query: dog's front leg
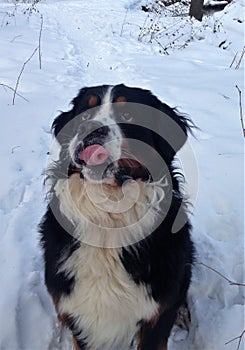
154 334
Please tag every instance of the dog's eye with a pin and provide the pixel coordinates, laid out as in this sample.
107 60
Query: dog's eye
127 117
85 115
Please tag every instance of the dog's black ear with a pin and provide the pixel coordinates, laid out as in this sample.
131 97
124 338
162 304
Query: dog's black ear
62 125
172 129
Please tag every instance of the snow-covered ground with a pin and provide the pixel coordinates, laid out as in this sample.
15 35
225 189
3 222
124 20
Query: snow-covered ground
96 42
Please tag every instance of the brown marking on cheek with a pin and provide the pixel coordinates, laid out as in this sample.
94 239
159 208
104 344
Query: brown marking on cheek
63 318
56 303
75 345
121 100
93 101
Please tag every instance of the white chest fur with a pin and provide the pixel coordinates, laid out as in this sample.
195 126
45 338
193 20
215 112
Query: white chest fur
106 303
107 216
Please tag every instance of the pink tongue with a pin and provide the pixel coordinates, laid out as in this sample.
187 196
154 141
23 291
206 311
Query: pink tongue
94 155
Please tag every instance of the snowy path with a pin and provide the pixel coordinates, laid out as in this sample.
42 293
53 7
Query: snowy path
89 45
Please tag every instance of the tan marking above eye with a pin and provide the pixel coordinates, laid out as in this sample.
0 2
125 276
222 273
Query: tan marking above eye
121 99
93 101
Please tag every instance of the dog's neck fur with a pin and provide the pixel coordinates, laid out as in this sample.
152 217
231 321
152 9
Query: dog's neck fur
114 216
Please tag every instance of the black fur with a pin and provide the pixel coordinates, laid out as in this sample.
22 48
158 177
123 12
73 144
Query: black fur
163 260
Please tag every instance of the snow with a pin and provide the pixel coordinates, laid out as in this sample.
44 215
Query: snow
96 42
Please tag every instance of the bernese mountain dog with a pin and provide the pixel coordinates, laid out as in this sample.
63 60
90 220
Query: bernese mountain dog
116 237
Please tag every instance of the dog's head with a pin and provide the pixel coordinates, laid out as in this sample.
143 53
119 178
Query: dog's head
115 133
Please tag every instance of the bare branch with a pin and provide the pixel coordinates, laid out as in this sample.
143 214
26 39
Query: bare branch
240 60
16 37
240 108
233 283
240 337
14 148
38 48
10 88
21 71
39 43
124 22
234 59
239 342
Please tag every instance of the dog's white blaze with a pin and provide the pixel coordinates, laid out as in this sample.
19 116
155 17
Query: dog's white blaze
106 302
105 116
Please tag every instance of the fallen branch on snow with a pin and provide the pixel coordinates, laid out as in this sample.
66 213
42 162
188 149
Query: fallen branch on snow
39 43
239 61
38 48
10 88
240 108
240 340
240 337
232 283
21 71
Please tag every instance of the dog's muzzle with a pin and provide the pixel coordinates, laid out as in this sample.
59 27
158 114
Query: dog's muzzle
95 156
93 153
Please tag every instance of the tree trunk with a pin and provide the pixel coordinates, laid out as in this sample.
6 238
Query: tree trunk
196 9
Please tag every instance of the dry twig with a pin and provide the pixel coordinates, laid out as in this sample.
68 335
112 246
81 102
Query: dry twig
39 43
21 71
232 283
240 108
38 48
240 337
10 88
16 37
124 22
240 59
234 58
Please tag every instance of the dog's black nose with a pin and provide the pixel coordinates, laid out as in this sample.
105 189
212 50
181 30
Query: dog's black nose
92 128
